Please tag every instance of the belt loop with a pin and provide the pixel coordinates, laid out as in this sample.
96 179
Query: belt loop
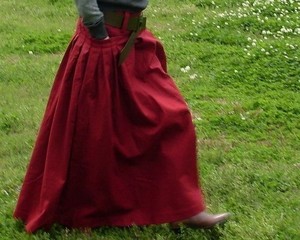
126 16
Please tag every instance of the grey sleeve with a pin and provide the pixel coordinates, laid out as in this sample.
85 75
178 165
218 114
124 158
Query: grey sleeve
92 17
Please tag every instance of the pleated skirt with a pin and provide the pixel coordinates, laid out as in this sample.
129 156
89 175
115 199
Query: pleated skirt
116 146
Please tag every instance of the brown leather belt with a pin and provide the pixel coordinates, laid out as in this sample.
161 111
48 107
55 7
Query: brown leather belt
135 24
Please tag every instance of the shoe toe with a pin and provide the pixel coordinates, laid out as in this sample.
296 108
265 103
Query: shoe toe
206 220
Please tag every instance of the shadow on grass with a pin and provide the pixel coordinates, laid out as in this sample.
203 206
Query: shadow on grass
155 232
201 234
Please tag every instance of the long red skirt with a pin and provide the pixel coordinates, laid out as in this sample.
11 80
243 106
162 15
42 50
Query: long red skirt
116 146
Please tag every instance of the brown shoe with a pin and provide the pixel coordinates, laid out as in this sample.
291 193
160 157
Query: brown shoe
203 220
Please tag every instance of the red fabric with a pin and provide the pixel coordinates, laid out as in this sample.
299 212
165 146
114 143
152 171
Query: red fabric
116 146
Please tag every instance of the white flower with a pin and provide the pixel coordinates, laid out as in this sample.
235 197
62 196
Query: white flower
185 69
193 76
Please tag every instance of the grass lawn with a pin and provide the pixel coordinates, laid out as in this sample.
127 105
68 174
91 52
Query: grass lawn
237 65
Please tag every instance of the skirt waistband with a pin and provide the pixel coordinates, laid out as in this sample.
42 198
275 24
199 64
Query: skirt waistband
131 24
134 22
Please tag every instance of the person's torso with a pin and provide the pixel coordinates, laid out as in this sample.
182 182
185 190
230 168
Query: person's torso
134 5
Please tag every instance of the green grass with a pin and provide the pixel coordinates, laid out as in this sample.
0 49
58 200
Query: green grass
242 84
